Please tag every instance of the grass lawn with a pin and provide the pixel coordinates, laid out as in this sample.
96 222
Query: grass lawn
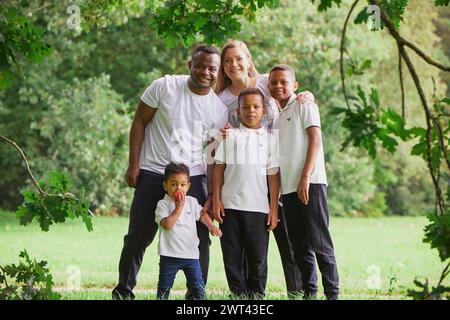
390 247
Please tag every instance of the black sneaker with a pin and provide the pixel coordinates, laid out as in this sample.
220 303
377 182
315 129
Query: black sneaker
333 297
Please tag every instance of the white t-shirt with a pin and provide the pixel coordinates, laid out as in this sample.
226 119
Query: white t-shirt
231 101
181 241
292 123
248 154
181 126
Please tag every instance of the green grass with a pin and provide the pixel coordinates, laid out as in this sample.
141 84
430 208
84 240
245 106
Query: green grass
392 244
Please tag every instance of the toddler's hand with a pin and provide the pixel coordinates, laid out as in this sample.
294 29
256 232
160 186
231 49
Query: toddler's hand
215 231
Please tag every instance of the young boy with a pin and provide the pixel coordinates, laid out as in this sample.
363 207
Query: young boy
176 215
245 160
304 184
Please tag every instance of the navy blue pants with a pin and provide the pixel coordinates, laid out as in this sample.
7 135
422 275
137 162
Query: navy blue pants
308 232
142 228
168 268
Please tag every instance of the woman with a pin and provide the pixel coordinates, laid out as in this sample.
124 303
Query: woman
237 72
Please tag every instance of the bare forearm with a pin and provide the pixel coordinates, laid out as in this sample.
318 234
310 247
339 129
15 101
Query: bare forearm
274 190
206 220
311 155
136 139
210 177
168 222
219 170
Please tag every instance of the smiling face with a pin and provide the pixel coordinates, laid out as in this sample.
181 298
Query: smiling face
236 64
282 85
251 110
204 68
176 182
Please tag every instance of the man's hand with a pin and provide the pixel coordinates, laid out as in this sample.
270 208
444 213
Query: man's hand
131 176
272 220
218 211
303 190
208 204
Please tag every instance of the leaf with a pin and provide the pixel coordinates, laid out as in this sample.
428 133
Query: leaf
419 149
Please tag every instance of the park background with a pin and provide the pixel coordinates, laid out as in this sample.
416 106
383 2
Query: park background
72 112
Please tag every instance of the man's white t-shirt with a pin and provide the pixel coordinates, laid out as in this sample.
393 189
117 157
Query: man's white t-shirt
291 124
231 101
181 241
249 155
181 126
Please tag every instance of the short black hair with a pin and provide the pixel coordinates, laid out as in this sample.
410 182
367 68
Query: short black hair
174 168
206 49
284 67
250 91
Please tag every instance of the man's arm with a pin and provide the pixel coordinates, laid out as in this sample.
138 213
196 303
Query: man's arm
274 191
218 211
143 115
315 138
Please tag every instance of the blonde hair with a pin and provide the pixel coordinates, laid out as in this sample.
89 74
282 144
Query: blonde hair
223 81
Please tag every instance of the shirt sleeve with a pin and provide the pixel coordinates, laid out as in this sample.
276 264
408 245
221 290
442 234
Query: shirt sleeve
154 93
162 211
220 121
196 208
273 161
220 152
309 113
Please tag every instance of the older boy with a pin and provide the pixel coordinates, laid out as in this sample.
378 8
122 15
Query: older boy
304 184
245 160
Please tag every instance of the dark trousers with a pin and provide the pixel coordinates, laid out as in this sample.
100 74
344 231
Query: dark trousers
245 231
142 228
168 268
291 271
308 231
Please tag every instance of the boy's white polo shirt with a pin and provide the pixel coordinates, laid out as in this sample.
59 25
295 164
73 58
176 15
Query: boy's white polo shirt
181 125
181 241
291 123
248 154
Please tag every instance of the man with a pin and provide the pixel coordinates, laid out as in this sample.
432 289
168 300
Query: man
174 118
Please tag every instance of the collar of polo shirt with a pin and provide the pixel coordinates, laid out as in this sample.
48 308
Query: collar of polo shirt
242 127
290 101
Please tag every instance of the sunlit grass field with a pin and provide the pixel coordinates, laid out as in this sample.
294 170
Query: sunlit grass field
387 253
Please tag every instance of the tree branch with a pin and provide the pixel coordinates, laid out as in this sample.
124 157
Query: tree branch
423 55
342 50
402 88
429 117
42 192
6 284
444 274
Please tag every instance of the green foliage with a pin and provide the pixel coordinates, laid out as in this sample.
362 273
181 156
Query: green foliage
20 40
326 4
368 124
214 20
55 204
424 291
437 234
31 281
